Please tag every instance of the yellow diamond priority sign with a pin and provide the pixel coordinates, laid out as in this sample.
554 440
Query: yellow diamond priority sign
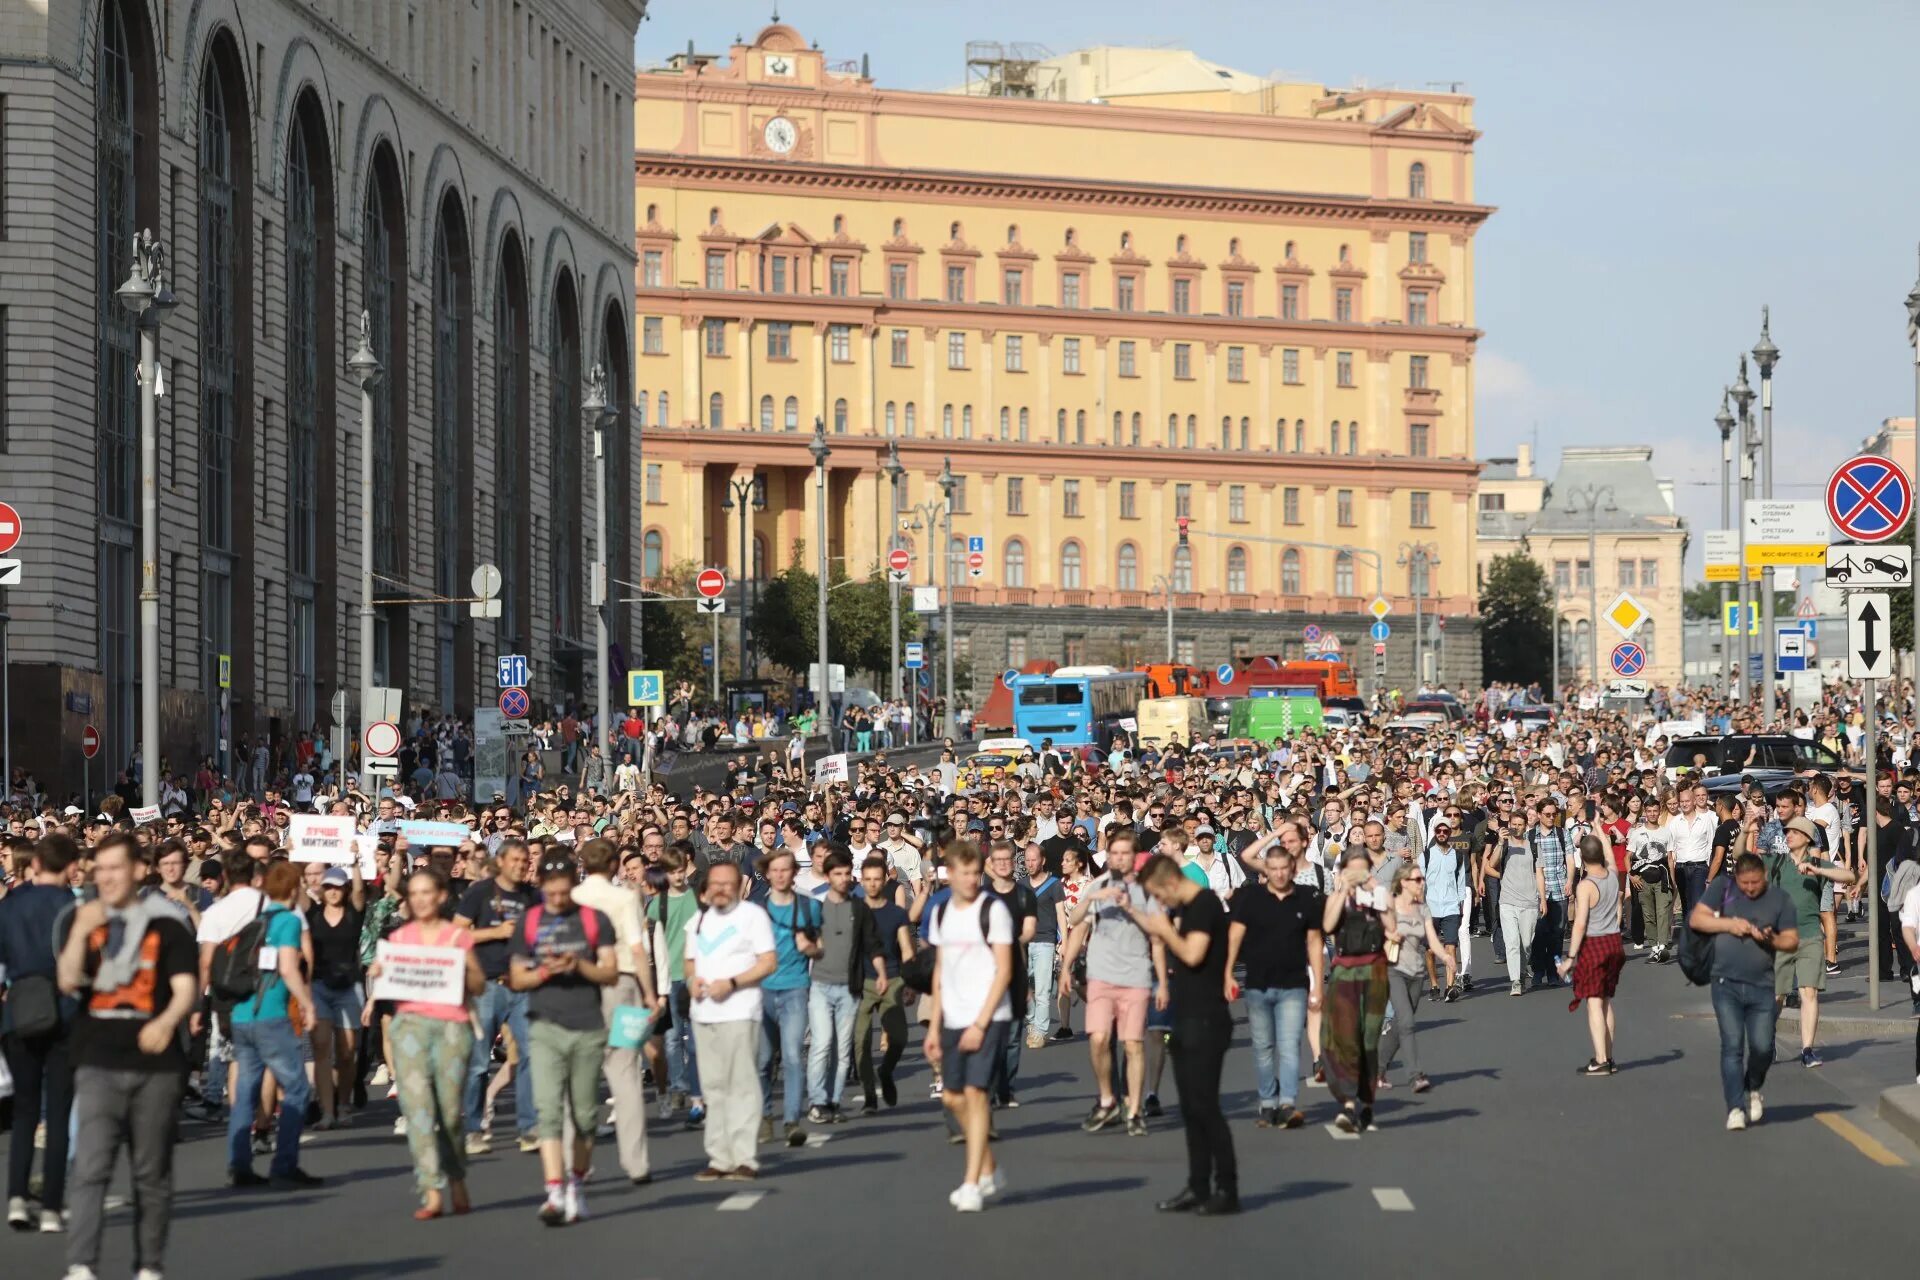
1379 608
1626 614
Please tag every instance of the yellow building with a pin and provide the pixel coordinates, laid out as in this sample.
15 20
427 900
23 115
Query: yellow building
1112 294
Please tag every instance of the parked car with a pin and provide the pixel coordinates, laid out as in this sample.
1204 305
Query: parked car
1767 754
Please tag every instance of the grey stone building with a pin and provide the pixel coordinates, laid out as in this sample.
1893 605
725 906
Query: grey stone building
459 172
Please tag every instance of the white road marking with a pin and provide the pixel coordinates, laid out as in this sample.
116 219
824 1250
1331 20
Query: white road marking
1392 1199
741 1201
1335 1132
818 1139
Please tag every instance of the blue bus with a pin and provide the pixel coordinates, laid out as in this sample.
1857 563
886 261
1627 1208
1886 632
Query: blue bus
1076 706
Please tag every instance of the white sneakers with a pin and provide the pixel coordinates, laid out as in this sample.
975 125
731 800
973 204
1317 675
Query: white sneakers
1756 1108
576 1201
80 1273
19 1217
966 1198
148 1273
52 1223
1736 1119
993 1184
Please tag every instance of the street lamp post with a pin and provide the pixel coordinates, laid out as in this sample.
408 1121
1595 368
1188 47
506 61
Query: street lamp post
818 448
742 495
1724 421
1766 355
1163 586
599 418
893 471
1913 339
1592 499
926 517
1743 403
1418 558
366 370
948 483
149 296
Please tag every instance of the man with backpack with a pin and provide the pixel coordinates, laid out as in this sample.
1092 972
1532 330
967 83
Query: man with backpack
850 959
787 991
561 954
972 936
34 1032
259 970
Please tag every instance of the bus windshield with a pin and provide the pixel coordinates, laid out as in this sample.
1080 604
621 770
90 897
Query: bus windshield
1052 695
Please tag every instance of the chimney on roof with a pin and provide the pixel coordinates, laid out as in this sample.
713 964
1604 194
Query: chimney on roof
1666 494
1523 464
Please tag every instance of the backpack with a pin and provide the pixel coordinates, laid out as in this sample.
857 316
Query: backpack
1899 880
530 926
1696 948
234 974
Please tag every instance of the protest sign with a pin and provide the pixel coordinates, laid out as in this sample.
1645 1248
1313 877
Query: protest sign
431 975
831 768
435 833
312 837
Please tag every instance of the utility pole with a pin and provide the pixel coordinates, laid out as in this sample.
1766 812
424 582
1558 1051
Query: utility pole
1724 421
892 468
743 495
1913 340
948 483
1592 500
599 418
1766 355
1418 558
818 448
367 372
149 296
1743 402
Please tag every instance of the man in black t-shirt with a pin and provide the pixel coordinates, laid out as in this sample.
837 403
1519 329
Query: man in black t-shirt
1001 883
492 910
882 999
1193 926
135 970
1275 929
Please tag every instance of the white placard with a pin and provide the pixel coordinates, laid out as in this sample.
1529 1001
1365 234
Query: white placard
313 837
926 599
367 845
143 814
1787 522
430 975
831 768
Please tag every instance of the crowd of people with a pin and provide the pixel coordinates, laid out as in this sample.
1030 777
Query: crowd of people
754 960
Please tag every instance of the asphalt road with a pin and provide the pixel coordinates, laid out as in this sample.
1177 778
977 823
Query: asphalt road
1510 1159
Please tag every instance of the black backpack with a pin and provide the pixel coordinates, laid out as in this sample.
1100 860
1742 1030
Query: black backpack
234 973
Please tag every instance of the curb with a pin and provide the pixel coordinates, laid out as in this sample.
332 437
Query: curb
1900 1108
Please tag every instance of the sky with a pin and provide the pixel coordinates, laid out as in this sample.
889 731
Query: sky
1661 170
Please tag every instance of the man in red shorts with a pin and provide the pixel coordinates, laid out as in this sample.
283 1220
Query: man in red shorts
1125 968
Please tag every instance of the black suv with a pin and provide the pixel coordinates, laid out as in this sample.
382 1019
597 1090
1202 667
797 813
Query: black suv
1759 754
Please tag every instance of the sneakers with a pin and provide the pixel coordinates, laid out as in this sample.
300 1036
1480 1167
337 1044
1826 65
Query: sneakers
817 1115
743 1173
1137 1125
889 1092
765 1133
19 1217
1061 1035
1756 1108
296 1179
966 1198
871 1107
263 1142
1035 1040
148 1273
1269 1118
1102 1115
1513 988
529 1144
381 1077
934 1090
78 1272
400 1127
711 1173
696 1115
1294 1117
478 1144
992 1184
553 1211
1736 1120
1811 1058
575 1201
52 1222
1011 1100
1151 1107
1832 969
796 1135
1421 1084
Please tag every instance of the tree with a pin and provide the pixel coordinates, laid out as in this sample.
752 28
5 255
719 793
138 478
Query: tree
858 629
666 629
1516 621
1702 600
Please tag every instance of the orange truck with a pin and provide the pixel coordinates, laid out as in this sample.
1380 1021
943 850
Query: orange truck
1328 678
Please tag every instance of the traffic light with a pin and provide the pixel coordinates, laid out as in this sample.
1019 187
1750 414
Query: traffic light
1182 522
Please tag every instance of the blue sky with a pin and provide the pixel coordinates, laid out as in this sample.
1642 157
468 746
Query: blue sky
1661 170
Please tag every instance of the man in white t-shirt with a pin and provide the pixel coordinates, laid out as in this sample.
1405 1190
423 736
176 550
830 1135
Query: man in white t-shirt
903 849
1910 934
729 953
973 968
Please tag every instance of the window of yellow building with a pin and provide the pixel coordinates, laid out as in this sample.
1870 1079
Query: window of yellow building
897 349
653 336
1016 353
1182 360
652 269
1125 359
1290 505
716 269
716 335
1012 286
1182 500
956 351
1417 306
1343 508
1290 302
1016 497
1236 297
1123 292
1069 497
1343 368
1183 296
1290 366
1236 364
1343 305
840 343
779 340
1420 510
1128 490
1070 355
1237 503
1070 289
1417 372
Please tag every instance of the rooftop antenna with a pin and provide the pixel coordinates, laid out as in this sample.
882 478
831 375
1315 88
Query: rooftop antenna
776 13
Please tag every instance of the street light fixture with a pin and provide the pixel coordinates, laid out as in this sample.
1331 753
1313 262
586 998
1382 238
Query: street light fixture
1593 500
1765 357
743 495
149 296
818 448
367 372
948 483
1724 421
600 416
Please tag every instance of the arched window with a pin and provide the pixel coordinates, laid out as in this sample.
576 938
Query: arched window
890 417
1070 237
1127 568
1299 435
1079 426
1013 564
1236 569
966 422
1346 257
1126 241
946 421
791 414
1013 233
953 231
512 534
1417 181
311 558
653 550
911 415
839 221
653 213
1246 435
1193 432
452 453
716 411
1070 565
1023 424
1343 573
563 425
1173 431
766 413
1290 571
840 417
383 250
1289 251
1183 568
713 216
1353 437
1333 438
1006 423
666 412
1119 423
1133 436
1226 432
1280 436
1180 244
1233 247
1060 426
899 227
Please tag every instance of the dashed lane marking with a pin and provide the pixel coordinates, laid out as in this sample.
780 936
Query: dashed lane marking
818 1139
1392 1199
741 1201
1335 1132
1862 1141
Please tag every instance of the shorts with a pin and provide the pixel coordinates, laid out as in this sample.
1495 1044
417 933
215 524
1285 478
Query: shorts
1806 967
1826 897
1159 1019
1116 1010
1448 928
337 1006
1596 970
971 1070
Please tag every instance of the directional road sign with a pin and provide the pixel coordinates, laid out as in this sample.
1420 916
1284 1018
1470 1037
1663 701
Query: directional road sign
976 563
915 656
9 573
512 671
9 528
1868 498
714 604
1626 614
89 742
976 542
1628 659
710 584
382 737
1224 673
646 689
514 704
1008 676
1380 607
1854 564
1869 636
1380 631
1785 531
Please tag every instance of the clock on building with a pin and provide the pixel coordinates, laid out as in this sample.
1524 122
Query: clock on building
780 135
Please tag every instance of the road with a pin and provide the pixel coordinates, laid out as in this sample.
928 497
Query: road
1510 1157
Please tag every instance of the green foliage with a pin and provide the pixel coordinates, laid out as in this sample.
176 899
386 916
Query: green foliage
1516 620
670 634
858 630
1702 599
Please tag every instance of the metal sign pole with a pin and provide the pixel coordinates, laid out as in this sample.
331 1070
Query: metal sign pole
1873 852
716 658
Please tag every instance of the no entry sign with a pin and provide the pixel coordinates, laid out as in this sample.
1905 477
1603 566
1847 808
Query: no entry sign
89 742
1869 498
899 560
9 528
710 583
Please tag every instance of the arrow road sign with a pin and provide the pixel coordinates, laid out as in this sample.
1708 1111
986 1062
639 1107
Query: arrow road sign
1852 564
1869 498
1380 631
512 670
1223 674
1869 638
9 573
717 604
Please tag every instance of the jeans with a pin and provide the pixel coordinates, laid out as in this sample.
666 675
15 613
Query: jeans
41 1077
1517 928
1746 1013
260 1047
1198 1048
1040 980
783 1019
1277 1018
683 1062
1405 993
830 1011
492 1008
1693 883
139 1110
1548 939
